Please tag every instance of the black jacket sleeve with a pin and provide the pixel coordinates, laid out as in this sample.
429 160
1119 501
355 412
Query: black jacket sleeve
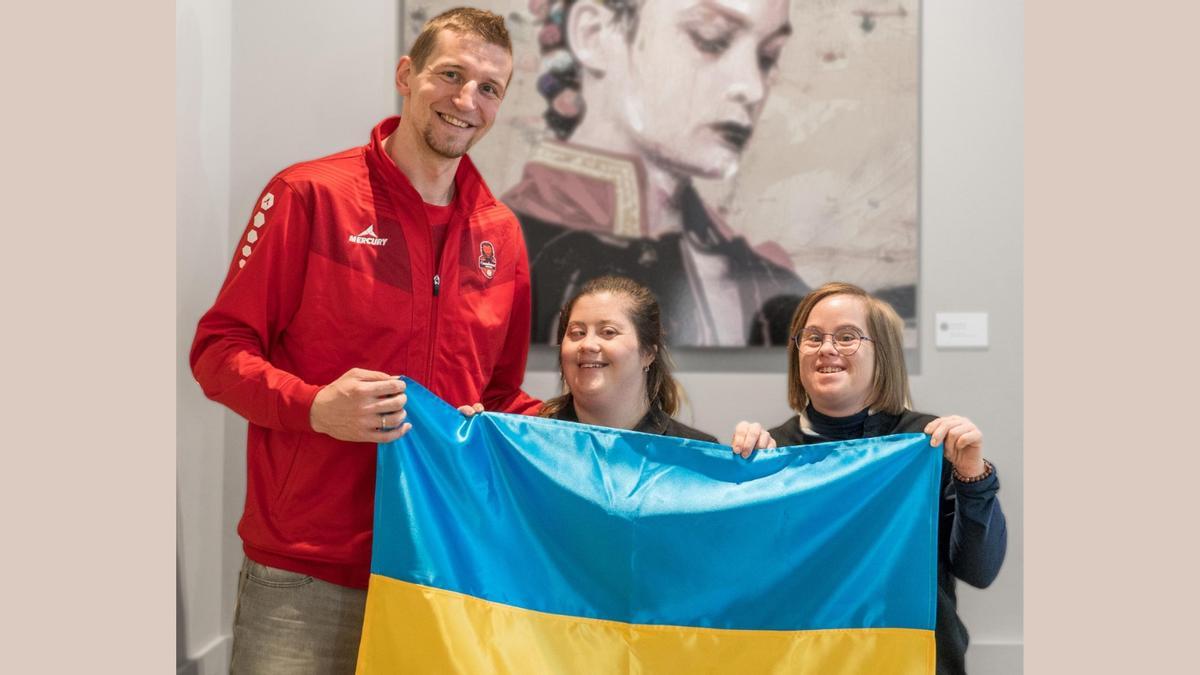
978 532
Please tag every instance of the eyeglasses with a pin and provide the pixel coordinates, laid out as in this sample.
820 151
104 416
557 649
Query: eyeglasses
846 341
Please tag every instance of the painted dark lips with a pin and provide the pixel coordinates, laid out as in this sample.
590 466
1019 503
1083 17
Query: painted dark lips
734 134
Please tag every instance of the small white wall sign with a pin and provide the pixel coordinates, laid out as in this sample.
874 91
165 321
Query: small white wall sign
961 330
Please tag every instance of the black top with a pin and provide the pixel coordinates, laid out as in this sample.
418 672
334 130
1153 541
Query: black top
972 534
837 428
655 422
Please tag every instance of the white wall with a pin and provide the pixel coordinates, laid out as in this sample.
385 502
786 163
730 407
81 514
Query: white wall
260 85
205 529
971 248
309 79
265 84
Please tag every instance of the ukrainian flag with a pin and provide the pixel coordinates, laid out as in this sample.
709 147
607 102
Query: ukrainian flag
510 544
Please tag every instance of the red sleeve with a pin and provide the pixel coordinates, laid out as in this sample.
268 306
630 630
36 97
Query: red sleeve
503 392
231 353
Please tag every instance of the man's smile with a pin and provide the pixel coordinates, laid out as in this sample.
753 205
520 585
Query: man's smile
450 119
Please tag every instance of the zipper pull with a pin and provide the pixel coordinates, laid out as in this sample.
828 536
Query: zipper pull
437 284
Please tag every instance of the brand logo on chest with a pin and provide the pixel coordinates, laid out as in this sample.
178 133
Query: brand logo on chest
368 237
487 259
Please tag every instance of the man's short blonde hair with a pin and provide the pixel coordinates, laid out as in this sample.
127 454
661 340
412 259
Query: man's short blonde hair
462 20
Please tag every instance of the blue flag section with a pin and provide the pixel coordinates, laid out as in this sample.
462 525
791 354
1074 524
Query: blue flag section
506 543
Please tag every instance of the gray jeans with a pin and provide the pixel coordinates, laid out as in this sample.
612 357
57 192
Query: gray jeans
292 623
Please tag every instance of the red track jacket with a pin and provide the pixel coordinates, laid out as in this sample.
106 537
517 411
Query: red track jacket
335 270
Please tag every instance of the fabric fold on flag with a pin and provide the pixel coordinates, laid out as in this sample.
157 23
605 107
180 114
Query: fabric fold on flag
513 544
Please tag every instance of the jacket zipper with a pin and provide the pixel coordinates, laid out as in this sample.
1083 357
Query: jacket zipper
433 308
433 321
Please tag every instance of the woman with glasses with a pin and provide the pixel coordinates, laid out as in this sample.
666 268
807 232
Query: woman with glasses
847 380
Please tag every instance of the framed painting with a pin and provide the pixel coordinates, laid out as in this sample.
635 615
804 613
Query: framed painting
729 154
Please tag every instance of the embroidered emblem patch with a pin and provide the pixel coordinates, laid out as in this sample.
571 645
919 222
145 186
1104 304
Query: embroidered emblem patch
487 259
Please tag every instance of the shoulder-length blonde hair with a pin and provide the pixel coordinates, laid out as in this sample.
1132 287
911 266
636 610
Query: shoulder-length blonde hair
889 386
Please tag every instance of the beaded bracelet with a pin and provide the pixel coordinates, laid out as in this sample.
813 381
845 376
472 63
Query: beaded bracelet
987 471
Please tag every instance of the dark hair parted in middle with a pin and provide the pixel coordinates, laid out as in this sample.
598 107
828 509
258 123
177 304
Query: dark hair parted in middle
643 312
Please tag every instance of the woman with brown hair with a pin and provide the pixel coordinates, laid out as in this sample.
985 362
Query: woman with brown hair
614 363
847 380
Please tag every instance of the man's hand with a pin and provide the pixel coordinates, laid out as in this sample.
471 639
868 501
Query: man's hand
363 406
962 443
750 436
469 410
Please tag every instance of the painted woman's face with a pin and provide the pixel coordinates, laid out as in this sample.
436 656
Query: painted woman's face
694 80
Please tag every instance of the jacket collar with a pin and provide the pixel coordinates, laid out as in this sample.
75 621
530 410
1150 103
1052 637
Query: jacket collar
592 190
582 188
471 191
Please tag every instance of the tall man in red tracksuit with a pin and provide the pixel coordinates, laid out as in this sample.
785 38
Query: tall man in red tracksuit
386 259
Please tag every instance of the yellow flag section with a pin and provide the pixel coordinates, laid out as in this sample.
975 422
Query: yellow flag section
446 632
507 544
